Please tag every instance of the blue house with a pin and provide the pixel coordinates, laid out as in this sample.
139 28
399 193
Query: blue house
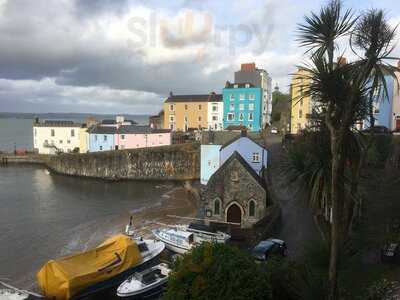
242 105
101 138
386 110
255 155
209 161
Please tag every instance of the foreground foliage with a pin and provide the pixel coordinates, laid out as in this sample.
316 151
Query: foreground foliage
217 271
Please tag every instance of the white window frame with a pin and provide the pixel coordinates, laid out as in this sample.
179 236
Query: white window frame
241 106
242 97
256 157
250 116
232 107
241 117
252 96
171 107
232 97
251 106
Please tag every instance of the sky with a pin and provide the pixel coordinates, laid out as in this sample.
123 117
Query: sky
125 56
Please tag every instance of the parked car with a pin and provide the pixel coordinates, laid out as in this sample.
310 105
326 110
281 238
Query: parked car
274 130
269 247
377 130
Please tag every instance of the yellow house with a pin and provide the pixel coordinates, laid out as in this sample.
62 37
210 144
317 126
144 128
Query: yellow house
301 103
83 140
184 112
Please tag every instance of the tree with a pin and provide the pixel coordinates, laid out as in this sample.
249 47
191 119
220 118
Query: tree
343 92
217 271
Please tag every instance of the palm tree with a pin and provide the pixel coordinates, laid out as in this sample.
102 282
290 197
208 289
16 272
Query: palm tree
344 91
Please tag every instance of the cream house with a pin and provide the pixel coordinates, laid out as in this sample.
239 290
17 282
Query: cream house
51 137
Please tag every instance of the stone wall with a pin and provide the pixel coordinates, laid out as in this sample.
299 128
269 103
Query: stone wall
176 162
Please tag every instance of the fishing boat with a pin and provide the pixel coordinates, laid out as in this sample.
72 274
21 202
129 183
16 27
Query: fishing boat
182 238
87 273
144 284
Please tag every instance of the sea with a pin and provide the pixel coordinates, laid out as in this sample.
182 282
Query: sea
45 215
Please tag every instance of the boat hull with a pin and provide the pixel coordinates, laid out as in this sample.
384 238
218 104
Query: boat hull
118 279
146 292
171 246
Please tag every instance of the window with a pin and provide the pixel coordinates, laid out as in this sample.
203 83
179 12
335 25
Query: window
171 107
72 132
105 138
256 157
215 108
101 148
60 141
232 97
171 118
199 119
186 107
68 142
199 106
185 118
232 106
53 132
247 85
250 126
122 136
242 96
171 126
230 116
217 207
241 117
300 114
252 96
235 176
215 126
252 208
251 106
214 118
241 106
250 117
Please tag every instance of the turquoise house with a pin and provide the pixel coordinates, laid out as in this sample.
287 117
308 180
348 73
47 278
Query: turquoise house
101 138
242 105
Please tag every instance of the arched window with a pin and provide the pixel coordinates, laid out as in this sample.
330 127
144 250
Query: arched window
252 208
217 206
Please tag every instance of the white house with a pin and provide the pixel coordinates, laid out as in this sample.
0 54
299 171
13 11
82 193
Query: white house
51 137
253 153
215 115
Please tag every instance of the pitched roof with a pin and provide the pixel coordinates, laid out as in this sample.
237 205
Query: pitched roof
212 97
102 130
139 129
57 123
109 122
237 138
242 161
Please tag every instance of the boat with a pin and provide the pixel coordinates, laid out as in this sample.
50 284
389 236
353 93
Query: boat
182 238
87 273
9 292
144 284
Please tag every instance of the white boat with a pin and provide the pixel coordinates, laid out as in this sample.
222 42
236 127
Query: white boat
8 292
146 283
182 238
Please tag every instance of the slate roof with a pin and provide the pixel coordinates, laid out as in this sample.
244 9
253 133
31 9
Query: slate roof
135 129
109 122
212 97
229 85
57 123
102 130
242 161
238 137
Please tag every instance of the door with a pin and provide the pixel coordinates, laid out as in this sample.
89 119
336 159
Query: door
397 124
234 214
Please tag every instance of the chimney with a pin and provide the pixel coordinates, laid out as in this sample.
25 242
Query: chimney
171 94
341 60
227 84
248 67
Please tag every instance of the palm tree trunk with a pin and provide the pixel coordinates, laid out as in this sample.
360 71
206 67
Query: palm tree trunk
336 194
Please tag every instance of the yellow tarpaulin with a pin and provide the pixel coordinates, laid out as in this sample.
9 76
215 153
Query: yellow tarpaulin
65 277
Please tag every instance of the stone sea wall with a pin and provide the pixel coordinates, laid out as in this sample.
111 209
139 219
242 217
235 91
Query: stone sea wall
176 162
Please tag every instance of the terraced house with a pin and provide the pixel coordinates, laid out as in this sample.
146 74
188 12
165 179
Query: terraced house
186 112
243 106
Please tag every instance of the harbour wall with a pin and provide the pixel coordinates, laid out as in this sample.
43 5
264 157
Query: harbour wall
176 162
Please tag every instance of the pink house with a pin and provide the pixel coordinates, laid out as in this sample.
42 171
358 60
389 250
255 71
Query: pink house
133 136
